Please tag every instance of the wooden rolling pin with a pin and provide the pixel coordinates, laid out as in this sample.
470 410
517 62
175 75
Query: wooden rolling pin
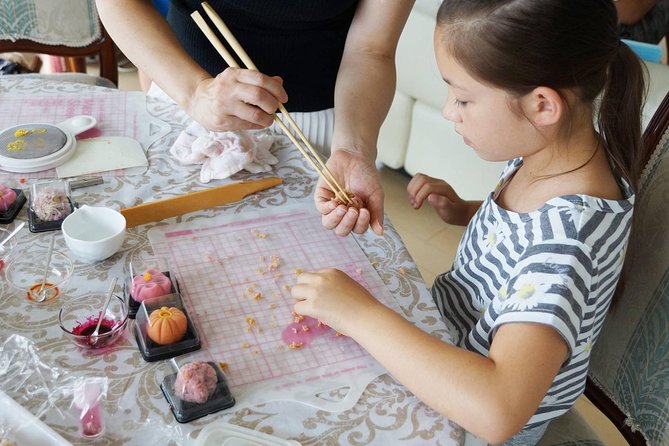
194 201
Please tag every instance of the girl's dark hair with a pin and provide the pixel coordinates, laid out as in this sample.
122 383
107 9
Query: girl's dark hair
518 45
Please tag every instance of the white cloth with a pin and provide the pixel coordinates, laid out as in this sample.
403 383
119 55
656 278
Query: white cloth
223 154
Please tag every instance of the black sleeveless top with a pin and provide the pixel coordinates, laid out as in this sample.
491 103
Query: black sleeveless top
300 40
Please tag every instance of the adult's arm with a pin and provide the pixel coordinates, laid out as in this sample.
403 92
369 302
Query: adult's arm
235 99
631 11
363 94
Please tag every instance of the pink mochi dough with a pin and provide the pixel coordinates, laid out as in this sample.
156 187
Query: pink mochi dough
7 198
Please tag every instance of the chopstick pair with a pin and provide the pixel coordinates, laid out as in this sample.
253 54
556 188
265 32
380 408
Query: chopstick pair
310 153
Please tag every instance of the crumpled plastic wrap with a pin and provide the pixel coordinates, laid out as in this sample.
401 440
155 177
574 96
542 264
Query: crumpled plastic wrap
63 398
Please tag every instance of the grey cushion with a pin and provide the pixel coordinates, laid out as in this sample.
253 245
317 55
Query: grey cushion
630 361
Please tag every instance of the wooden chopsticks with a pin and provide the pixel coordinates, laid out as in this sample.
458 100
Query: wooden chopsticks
310 153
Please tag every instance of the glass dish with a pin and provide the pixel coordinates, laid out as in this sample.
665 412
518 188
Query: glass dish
8 249
79 316
26 274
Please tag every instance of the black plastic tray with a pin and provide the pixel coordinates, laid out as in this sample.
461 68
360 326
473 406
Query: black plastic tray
185 411
35 224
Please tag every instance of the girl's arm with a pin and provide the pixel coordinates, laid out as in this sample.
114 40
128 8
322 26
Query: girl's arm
363 94
236 99
491 397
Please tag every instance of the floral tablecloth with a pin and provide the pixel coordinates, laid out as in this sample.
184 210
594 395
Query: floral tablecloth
37 364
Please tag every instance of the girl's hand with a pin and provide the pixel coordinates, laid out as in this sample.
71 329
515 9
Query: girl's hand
449 206
359 176
333 298
237 99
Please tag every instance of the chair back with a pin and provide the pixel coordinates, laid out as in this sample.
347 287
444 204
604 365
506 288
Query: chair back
630 362
66 28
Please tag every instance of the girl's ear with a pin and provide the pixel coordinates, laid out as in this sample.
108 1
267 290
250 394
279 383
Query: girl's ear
543 106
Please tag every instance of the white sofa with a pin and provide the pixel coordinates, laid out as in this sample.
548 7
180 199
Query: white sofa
416 137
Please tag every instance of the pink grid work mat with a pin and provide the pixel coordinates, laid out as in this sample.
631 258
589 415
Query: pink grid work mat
230 272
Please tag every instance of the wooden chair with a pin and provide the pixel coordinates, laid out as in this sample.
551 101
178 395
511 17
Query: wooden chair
74 56
629 370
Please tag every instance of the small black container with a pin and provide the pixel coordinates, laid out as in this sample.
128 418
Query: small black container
10 214
185 411
59 187
152 351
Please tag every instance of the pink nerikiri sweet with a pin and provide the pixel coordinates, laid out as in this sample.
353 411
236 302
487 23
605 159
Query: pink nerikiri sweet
7 197
196 381
152 283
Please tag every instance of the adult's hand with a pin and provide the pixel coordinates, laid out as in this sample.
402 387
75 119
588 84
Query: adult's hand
237 99
359 176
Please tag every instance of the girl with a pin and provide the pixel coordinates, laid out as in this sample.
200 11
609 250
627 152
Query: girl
538 264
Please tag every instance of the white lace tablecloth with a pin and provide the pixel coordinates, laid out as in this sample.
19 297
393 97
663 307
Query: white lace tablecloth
52 22
137 413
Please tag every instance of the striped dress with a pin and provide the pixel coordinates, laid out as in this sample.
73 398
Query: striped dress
558 265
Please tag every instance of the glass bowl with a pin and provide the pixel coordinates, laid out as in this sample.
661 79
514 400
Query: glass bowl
79 316
26 274
8 249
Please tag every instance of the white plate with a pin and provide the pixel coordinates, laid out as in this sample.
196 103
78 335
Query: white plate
24 428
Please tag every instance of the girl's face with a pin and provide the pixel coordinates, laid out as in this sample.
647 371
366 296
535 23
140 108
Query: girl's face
482 115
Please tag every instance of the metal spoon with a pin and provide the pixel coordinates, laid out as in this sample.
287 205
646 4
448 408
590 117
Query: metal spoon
12 234
93 337
41 293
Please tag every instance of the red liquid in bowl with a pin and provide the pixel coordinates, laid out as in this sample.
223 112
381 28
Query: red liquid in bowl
88 327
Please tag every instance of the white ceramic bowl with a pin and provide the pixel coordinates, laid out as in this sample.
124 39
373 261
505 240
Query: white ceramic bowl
94 233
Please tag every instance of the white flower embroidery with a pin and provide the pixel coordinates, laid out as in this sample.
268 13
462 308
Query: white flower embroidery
503 292
576 211
621 257
494 234
588 345
527 293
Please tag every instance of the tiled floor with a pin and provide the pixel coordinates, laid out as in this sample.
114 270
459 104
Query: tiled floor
432 244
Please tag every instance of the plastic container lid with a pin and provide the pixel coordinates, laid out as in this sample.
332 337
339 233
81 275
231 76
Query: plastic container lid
225 434
185 411
48 193
152 351
10 214
133 305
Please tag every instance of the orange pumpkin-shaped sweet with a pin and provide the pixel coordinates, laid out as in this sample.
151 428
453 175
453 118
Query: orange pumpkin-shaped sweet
166 325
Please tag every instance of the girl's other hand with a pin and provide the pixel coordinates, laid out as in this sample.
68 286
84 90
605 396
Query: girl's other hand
237 99
440 195
333 298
